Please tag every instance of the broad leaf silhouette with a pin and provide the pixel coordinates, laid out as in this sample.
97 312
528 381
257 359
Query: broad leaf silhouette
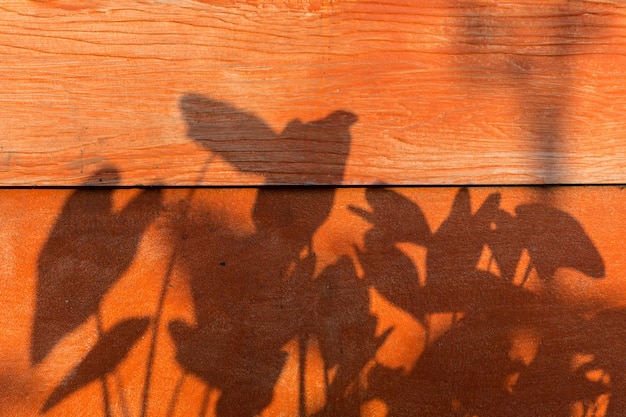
313 152
346 330
456 246
243 365
555 239
343 313
453 253
112 347
395 219
88 250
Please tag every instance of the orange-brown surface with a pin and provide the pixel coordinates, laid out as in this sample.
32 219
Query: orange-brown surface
313 302
438 92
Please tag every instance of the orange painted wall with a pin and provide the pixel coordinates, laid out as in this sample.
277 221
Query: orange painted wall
407 301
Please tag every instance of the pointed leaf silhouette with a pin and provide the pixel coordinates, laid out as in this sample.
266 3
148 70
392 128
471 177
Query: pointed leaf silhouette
236 360
344 326
235 134
313 152
88 250
393 275
112 347
453 282
505 244
456 246
343 307
395 219
555 239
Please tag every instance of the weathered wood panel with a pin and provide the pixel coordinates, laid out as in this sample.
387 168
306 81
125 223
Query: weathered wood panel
371 302
435 92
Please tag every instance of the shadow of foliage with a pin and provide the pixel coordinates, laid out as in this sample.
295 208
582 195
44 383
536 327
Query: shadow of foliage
87 251
112 347
469 370
254 293
293 156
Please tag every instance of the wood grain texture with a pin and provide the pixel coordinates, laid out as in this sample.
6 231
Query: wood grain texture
293 302
441 92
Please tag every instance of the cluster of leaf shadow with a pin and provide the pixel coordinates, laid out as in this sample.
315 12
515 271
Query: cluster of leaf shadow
253 294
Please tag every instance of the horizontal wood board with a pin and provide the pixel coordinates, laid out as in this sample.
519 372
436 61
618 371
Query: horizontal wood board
313 302
312 92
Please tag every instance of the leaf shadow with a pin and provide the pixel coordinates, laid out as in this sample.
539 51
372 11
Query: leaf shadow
87 251
303 153
471 369
252 295
248 307
110 350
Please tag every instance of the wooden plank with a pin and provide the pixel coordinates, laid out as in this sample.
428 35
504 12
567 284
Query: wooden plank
227 93
319 301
